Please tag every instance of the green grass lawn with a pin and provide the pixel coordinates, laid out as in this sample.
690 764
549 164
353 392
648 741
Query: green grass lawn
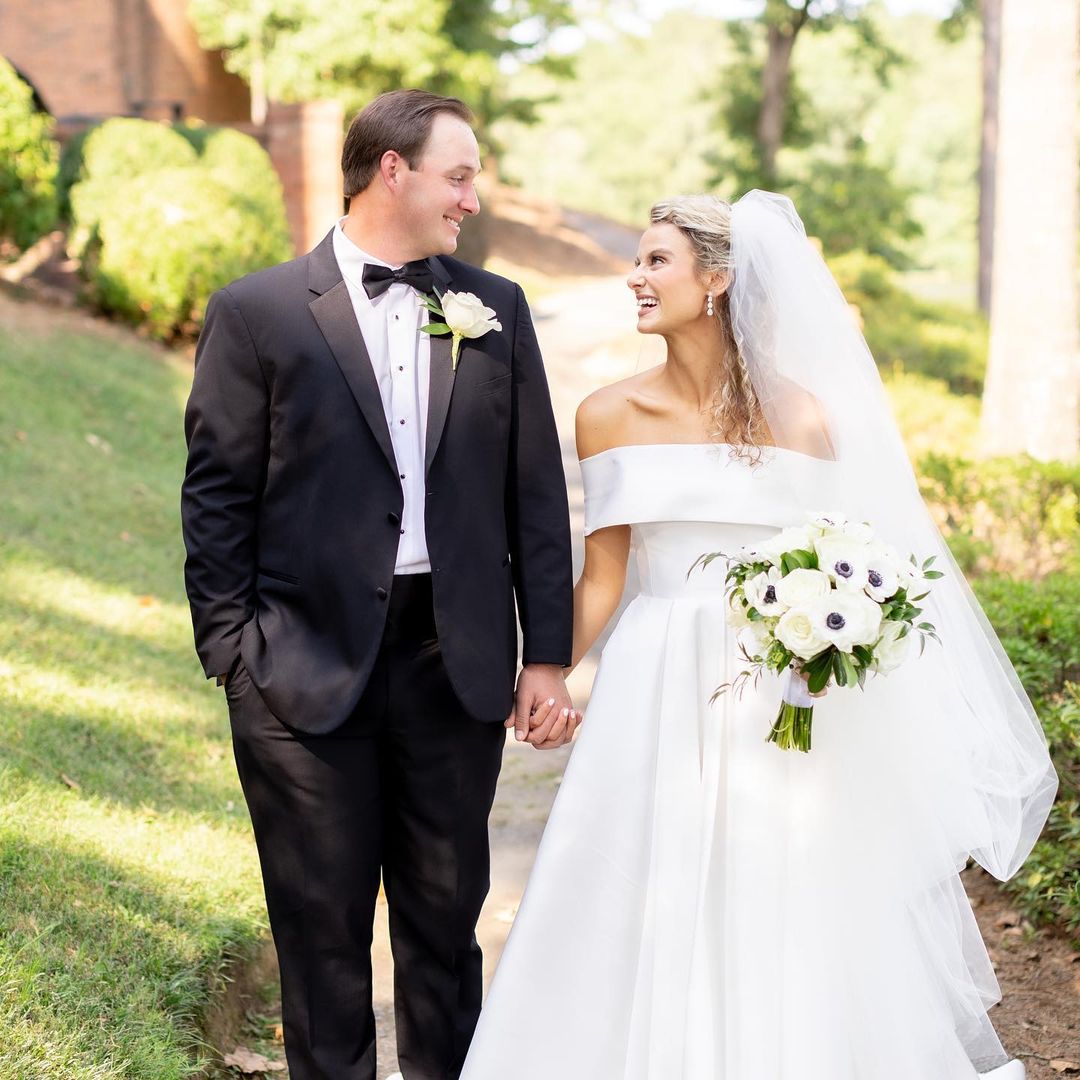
128 878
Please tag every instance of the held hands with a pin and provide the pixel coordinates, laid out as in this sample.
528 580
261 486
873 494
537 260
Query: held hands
544 716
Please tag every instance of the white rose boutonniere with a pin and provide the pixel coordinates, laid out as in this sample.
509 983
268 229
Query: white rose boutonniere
463 316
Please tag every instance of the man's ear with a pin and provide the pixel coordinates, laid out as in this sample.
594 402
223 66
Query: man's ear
391 166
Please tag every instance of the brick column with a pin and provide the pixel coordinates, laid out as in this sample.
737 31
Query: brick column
304 142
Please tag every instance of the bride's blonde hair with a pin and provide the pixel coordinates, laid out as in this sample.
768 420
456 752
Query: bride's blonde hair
705 220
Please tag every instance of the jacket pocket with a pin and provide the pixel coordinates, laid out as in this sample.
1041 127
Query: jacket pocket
277 575
493 386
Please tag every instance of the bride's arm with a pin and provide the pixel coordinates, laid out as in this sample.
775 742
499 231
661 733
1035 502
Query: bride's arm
600 587
597 593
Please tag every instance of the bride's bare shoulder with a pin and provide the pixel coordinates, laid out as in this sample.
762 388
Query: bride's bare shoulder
806 423
606 417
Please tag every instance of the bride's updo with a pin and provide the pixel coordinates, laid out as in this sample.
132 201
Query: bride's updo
705 220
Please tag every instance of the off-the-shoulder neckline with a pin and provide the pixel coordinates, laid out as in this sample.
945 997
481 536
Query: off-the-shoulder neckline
701 446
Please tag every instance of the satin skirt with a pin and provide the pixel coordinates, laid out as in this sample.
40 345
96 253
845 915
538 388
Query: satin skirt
704 905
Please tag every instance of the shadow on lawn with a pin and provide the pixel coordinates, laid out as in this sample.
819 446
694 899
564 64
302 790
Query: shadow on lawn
95 954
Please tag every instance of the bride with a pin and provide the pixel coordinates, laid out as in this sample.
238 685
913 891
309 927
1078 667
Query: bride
704 905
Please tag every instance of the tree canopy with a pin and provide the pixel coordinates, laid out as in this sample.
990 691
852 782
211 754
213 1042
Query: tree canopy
351 50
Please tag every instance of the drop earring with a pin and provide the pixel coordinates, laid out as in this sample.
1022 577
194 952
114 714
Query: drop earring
709 306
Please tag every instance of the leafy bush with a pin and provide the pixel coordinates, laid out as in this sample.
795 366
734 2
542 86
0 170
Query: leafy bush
160 226
1039 626
167 240
240 163
28 163
123 147
930 416
1005 515
940 340
114 153
1048 886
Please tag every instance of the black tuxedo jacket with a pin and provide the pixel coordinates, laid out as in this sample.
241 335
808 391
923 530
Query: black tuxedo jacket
291 504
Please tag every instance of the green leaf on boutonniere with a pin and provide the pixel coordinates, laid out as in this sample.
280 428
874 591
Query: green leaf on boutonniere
436 328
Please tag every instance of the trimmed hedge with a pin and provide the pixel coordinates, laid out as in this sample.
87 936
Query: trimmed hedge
1048 886
167 240
1007 515
29 161
160 227
239 162
1039 626
114 153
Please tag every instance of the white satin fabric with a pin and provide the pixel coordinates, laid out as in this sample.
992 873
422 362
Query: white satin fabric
704 906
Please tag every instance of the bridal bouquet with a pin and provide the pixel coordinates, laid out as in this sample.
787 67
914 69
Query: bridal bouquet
824 602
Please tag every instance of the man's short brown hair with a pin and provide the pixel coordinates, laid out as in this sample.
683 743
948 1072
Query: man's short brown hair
400 120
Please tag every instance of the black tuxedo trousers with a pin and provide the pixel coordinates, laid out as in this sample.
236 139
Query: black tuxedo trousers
402 788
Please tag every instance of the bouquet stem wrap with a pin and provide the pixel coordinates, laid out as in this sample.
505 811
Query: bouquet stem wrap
792 728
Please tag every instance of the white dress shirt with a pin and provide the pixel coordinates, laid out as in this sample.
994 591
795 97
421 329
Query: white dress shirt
401 358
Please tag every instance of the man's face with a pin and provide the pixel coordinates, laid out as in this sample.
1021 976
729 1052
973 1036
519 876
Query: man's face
437 195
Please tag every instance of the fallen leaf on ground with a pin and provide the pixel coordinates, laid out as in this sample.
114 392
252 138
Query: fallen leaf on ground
1062 1066
70 783
247 1061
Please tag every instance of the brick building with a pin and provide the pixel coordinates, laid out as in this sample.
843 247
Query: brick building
91 59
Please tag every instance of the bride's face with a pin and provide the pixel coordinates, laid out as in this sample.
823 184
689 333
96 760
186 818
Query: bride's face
666 281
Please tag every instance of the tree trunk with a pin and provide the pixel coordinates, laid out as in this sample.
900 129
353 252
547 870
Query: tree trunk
774 91
1032 394
991 67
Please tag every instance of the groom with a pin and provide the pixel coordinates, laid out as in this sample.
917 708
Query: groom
359 514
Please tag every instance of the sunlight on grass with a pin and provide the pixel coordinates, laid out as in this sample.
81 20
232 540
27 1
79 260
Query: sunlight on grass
45 588
128 877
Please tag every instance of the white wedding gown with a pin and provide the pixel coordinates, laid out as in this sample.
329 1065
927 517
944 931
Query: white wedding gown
704 906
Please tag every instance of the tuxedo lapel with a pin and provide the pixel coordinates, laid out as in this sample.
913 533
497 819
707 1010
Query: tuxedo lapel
333 312
441 376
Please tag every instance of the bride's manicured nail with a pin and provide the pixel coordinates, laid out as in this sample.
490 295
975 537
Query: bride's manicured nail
519 734
566 712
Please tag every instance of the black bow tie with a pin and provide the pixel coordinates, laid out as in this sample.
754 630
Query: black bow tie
377 279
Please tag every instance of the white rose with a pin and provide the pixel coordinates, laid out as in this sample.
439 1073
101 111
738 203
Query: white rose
891 650
755 638
466 315
846 618
737 616
800 587
845 561
797 632
761 592
795 538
